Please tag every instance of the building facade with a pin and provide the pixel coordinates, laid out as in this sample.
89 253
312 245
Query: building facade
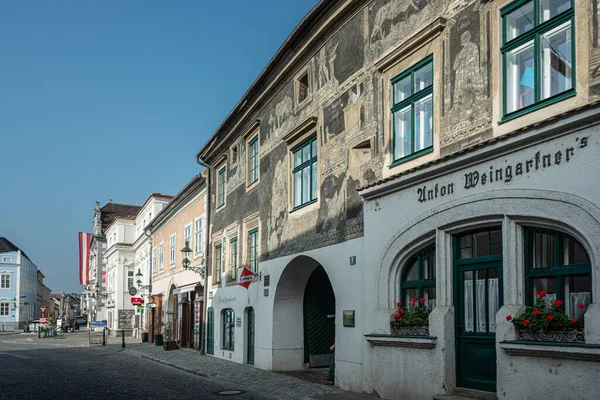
143 252
18 285
44 296
400 150
177 293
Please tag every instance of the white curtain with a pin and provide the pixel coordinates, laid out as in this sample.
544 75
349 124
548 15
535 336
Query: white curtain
468 305
574 300
492 302
481 323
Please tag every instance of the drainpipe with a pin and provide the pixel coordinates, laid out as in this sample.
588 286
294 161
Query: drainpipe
210 169
149 277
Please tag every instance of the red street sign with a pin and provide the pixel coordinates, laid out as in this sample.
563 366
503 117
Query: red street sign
136 301
43 309
104 276
43 321
246 277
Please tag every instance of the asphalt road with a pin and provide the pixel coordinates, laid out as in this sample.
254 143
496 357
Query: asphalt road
55 369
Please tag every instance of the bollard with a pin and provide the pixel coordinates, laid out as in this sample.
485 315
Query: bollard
103 337
123 339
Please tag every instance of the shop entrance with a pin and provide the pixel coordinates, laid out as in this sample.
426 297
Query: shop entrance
478 279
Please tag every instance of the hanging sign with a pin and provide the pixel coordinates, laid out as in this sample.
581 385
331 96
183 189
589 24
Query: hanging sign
246 277
137 301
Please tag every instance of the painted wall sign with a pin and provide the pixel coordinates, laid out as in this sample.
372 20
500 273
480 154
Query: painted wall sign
348 318
495 174
227 300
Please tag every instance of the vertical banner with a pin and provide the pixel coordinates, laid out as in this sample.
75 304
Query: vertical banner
84 257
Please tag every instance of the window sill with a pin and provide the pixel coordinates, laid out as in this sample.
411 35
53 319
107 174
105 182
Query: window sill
413 342
303 205
411 156
252 185
538 105
569 351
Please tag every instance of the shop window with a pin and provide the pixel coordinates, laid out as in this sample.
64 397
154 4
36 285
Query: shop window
305 173
4 309
412 111
228 326
538 54
558 265
418 278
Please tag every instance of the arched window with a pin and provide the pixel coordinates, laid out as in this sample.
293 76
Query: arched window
557 264
228 325
418 278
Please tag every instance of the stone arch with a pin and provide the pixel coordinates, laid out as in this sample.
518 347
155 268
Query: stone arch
288 322
551 209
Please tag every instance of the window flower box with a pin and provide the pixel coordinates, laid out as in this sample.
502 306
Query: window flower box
548 323
413 321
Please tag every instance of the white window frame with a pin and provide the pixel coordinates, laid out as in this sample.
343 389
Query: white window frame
187 233
4 304
172 245
198 236
161 252
154 260
9 277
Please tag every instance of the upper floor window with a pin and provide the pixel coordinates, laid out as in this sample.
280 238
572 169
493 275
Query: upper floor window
233 251
172 250
218 262
418 279
5 281
129 279
221 188
187 234
538 53
228 326
198 236
6 259
4 309
412 111
154 260
558 265
302 87
161 256
253 247
253 160
305 173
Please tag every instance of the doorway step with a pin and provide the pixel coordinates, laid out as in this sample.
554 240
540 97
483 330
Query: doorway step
466 394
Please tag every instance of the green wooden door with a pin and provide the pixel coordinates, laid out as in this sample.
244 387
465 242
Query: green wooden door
478 279
210 331
319 322
250 338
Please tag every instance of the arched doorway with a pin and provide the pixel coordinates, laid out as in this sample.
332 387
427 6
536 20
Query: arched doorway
319 319
303 310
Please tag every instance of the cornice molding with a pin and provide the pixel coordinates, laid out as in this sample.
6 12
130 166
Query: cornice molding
308 124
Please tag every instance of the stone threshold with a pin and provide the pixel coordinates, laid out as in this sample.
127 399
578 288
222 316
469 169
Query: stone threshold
466 394
414 342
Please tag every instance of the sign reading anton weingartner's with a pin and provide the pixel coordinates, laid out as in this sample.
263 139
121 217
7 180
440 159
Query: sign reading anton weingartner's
494 174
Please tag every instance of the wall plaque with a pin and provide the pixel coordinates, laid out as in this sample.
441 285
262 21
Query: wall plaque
348 317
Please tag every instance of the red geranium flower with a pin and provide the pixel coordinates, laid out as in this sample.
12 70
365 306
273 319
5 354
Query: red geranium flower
422 300
581 306
398 304
421 319
537 312
549 318
534 293
400 319
401 311
526 322
508 317
542 293
574 320
558 303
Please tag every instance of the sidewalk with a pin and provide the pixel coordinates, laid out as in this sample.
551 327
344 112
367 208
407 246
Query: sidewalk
240 376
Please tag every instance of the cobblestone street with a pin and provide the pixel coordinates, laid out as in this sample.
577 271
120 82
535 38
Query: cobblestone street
141 370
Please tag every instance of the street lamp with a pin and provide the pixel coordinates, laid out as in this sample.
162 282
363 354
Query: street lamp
186 261
143 288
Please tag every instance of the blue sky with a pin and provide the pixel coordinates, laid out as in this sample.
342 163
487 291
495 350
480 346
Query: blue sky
112 99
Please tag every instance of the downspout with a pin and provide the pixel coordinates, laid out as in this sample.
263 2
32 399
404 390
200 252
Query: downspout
149 279
210 169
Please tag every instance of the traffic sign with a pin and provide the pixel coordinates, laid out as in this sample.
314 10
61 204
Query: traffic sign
43 321
97 324
43 309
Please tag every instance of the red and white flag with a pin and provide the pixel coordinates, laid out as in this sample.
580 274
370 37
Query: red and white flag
85 240
246 277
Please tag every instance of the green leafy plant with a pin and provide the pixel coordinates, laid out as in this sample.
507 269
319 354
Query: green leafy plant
540 317
168 331
416 315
